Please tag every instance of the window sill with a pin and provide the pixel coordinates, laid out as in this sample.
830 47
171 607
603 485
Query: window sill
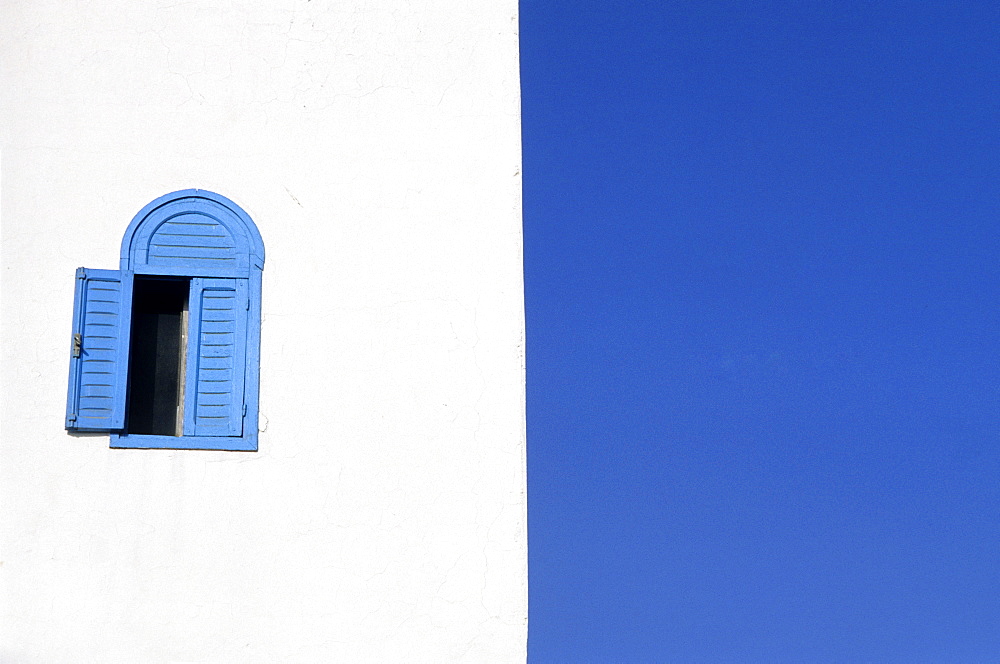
224 443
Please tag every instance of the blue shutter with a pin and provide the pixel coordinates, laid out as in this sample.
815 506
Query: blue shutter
99 351
216 364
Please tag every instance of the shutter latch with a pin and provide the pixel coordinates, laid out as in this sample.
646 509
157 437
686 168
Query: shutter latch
77 344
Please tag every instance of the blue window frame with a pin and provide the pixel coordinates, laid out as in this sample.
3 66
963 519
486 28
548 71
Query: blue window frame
166 350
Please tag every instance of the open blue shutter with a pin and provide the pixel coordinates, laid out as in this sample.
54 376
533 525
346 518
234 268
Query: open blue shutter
99 351
216 364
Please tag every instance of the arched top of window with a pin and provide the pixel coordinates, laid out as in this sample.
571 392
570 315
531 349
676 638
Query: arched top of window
192 232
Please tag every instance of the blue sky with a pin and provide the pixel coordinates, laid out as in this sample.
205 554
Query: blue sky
762 259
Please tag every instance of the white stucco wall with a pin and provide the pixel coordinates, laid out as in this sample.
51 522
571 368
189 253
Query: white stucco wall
376 144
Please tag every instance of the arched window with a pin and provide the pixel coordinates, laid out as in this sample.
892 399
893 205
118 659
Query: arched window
166 350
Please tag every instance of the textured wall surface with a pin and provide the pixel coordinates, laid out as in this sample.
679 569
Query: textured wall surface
376 145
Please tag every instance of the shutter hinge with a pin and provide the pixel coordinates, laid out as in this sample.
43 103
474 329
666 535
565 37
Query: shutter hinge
81 273
71 417
248 304
77 344
244 410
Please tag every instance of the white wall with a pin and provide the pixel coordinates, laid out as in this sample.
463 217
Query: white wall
376 145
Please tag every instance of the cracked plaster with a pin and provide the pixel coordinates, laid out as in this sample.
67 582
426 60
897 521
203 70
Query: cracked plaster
373 143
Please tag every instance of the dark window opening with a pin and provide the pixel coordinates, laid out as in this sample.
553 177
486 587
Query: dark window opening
158 356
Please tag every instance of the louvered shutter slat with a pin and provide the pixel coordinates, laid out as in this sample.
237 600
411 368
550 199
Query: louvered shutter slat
99 355
216 357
